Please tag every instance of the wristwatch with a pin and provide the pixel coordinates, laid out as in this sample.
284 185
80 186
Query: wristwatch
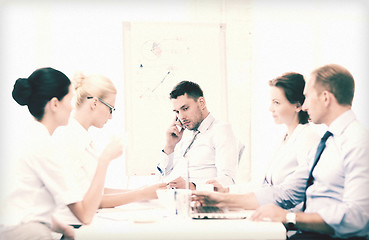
291 220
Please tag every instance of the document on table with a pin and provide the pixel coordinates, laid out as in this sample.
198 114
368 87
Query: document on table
137 212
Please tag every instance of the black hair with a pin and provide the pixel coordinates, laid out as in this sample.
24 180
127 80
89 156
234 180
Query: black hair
39 88
192 89
293 86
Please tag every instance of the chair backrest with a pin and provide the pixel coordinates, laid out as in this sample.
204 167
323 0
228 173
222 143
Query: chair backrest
243 170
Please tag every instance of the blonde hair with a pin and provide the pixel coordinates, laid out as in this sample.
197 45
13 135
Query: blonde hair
91 86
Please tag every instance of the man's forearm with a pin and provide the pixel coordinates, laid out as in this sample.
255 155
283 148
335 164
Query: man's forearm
246 201
312 222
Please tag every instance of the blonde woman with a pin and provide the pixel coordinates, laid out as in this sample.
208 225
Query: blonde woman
94 105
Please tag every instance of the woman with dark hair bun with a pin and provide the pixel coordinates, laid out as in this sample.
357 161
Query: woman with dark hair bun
300 141
39 88
26 212
292 85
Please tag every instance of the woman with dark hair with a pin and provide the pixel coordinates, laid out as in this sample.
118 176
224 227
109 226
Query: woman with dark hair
300 141
47 94
41 175
43 86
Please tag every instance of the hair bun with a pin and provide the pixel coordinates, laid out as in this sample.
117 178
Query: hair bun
22 91
78 79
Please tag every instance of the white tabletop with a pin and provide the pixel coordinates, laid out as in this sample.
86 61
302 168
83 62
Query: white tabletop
144 221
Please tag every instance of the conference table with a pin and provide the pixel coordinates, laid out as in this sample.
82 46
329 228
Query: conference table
151 220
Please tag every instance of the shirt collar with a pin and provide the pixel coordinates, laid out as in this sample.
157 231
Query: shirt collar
338 126
83 135
206 123
40 129
298 130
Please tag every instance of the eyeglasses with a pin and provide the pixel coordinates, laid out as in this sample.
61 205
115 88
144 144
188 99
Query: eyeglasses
112 109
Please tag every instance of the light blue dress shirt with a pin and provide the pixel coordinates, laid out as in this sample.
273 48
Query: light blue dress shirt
213 154
341 179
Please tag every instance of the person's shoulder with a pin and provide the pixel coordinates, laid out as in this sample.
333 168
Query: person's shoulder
359 127
221 126
69 134
224 132
353 143
220 123
37 139
59 132
352 140
357 132
310 131
308 134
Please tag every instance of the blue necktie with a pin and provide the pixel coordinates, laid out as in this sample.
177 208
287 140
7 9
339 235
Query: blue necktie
319 151
193 139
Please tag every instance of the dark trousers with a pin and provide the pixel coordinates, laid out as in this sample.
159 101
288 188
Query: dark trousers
315 236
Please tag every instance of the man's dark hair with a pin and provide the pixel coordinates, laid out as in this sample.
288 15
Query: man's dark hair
337 80
192 89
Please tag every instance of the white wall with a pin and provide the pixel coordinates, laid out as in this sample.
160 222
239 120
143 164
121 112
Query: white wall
266 39
300 36
69 36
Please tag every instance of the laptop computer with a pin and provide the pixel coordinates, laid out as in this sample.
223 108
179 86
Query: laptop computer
210 212
179 200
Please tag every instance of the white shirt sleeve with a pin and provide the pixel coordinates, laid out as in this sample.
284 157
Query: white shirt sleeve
165 165
226 154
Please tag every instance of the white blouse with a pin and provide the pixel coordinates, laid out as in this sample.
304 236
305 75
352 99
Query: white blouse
41 180
81 155
290 153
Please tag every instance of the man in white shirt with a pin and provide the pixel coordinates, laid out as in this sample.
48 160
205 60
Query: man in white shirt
197 145
336 206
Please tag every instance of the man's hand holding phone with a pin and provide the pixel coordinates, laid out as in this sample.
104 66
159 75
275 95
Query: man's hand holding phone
174 135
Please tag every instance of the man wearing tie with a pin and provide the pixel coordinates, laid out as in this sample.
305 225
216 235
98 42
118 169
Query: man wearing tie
197 145
333 187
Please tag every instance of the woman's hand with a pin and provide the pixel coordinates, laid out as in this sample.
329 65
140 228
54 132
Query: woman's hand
113 150
150 191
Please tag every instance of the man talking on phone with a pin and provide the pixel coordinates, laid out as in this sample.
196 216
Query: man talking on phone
197 145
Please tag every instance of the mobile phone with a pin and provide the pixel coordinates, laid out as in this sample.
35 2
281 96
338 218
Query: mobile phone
182 126
178 127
